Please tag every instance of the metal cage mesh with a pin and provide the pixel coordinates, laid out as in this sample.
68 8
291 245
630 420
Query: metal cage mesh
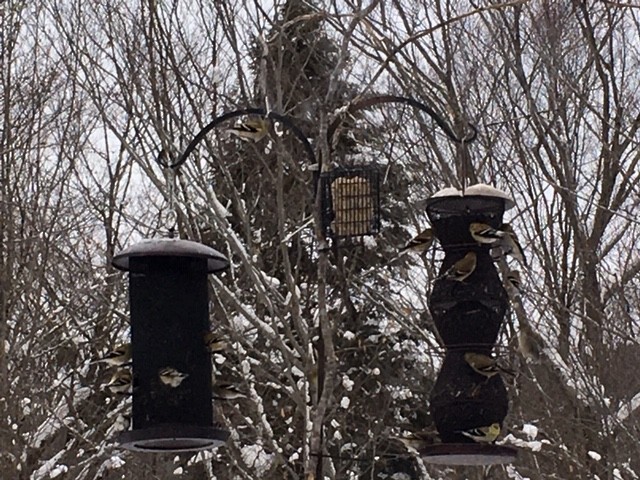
350 201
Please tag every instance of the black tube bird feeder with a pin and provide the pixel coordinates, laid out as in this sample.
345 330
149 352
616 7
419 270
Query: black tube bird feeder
468 315
171 407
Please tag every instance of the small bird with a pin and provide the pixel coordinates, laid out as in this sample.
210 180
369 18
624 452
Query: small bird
120 381
227 391
418 440
483 434
510 244
421 242
119 356
215 343
485 365
172 377
530 343
461 270
253 129
514 280
485 234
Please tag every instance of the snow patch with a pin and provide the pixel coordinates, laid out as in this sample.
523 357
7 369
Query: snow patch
58 470
513 474
348 335
347 383
534 446
531 431
595 455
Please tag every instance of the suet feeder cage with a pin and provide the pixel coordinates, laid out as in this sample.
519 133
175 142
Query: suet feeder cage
350 201
468 315
169 317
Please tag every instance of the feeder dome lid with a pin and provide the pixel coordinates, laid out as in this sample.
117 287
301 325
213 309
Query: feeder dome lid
171 247
479 190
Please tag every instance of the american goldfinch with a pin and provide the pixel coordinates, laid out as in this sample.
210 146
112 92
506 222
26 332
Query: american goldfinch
485 365
483 434
485 234
172 377
530 343
120 355
215 343
421 242
418 440
226 391
510 244
253 129
514 280
120 381
461 270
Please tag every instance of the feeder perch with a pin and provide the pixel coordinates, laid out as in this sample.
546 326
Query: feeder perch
169 316
350 201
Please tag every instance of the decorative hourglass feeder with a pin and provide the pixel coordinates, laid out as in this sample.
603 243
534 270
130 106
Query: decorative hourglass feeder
468 315
171 406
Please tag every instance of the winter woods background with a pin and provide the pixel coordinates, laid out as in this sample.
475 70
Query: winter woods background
93 93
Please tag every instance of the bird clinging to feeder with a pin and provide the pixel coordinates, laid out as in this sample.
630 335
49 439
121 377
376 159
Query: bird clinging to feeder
121 381
215 343
172 377
487 434
485 365
421 242
485 234
462 269
510 244
121 355
227 391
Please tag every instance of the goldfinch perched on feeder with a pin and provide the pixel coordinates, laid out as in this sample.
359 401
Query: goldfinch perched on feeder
420 243
253 129
214 343
120 381
483 434
485 234
510 244
226 391
120 355
461 270
485 365
418 440
172 377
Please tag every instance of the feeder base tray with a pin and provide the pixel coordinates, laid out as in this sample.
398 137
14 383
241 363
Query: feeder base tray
173 438
467 454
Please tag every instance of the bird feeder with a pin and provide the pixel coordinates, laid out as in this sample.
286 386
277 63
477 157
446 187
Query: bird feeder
169 316
350 201
468 315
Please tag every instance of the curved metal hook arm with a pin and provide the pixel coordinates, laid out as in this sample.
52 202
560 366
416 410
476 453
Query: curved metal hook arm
285 120
379 99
